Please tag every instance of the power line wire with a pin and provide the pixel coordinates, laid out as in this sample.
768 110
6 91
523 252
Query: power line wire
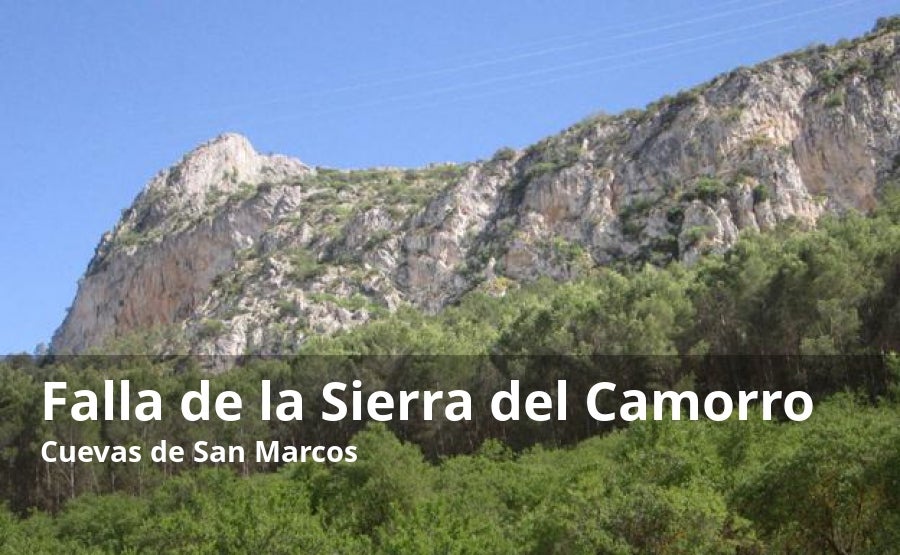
576 64
599 33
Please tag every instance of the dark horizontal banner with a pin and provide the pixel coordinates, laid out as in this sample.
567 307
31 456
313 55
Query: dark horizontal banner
68 420
444 403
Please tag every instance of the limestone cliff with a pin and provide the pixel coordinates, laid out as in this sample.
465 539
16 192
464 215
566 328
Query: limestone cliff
243 253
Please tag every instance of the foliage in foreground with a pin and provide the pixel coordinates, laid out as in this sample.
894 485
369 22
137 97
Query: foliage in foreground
828 485
831 484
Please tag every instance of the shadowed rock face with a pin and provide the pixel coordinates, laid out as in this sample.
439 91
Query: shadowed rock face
241 252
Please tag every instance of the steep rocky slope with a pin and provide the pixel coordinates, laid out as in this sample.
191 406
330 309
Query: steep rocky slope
241 252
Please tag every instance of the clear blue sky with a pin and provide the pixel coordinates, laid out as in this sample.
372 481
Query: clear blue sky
96 97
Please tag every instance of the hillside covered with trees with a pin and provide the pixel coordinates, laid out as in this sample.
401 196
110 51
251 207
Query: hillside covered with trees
829 298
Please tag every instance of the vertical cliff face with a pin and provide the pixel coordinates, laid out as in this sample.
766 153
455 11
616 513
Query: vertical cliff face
158 265
248 253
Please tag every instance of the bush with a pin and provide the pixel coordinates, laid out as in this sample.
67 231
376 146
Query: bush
733 114
834 99
829 78
214 195
684 98
675 215
304 265
888 24
541 168
210 328
288 309
244 191
760 194
567 250
707 189
632 228
638 207
694 235
505 154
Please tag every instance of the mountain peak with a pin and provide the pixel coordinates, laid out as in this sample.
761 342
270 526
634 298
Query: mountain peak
219 163
229 137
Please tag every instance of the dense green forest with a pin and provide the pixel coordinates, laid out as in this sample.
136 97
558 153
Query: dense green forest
827 485
796 309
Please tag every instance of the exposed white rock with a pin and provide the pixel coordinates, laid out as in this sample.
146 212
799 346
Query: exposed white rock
253 253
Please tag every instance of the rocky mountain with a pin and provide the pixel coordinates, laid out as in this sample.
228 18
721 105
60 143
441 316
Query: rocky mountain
240 252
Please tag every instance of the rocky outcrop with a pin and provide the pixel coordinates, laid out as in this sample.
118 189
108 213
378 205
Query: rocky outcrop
241 252
159 263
